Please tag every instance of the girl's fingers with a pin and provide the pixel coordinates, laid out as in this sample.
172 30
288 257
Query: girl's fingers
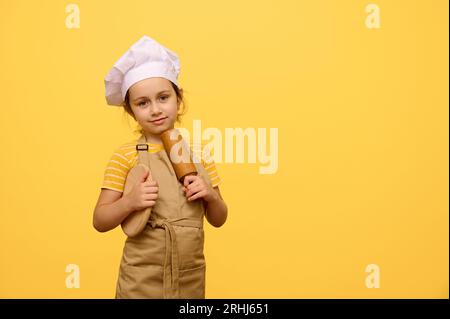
151 197
151 189
194 189
188 179
194 185
198 195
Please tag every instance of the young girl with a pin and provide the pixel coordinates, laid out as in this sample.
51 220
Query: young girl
166 259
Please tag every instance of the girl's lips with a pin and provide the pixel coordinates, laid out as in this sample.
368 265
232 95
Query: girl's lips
159 122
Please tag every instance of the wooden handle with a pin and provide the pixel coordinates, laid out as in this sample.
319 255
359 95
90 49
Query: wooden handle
136 221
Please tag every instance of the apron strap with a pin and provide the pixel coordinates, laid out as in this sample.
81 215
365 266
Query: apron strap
142 149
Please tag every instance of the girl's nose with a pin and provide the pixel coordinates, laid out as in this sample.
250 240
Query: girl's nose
154 108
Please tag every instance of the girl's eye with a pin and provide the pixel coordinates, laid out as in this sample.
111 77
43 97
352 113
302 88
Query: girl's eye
143 103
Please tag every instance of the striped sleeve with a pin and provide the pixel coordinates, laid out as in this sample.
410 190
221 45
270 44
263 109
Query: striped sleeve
212 173
208 163
116 170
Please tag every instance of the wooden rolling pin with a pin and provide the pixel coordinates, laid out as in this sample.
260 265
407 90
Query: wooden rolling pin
182 163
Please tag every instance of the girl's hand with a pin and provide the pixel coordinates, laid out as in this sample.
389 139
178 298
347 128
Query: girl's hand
143 194
195 187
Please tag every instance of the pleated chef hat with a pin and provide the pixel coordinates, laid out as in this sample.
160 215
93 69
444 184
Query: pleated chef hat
145 59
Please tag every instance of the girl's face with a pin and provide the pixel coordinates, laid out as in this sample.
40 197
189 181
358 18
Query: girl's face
154 104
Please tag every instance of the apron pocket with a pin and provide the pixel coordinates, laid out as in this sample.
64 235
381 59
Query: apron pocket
192 283
190 241
140 282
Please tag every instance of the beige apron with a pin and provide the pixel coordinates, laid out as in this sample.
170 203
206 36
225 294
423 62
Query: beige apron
166 260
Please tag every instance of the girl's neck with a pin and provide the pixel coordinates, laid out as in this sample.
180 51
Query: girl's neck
152 139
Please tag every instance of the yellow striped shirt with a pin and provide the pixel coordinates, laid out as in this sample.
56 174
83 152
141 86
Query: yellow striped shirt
125 157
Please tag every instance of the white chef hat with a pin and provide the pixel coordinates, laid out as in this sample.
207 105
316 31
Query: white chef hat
145 59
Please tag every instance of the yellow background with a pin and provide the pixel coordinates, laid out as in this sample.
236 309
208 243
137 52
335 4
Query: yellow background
362 116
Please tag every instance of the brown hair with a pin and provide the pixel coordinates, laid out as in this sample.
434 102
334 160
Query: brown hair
180 100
